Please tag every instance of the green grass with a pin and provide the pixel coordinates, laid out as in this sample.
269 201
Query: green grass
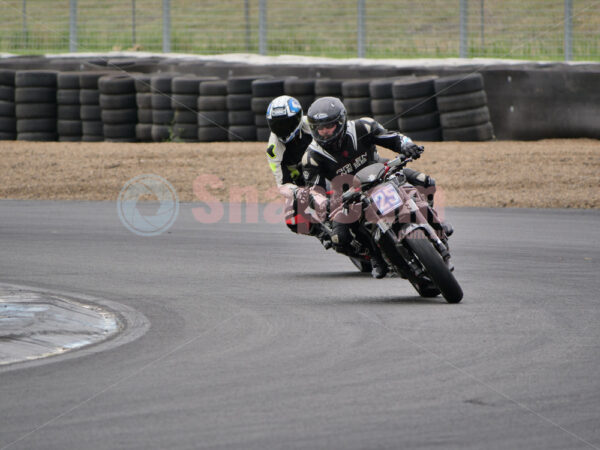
516 29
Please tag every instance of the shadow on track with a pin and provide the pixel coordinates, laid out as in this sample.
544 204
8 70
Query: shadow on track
391 300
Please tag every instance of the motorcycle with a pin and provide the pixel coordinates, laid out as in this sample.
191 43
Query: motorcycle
398 219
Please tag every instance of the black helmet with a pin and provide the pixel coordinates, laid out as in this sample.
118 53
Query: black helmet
284 116
327 121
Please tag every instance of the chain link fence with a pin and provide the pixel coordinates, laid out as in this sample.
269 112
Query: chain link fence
551 30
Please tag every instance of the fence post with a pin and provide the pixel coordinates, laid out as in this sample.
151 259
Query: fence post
73 26
361 28
247 20
133 23
25 37
262 27
463 49
166 26
568 30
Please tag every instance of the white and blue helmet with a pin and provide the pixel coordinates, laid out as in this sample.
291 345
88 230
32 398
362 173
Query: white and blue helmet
284 116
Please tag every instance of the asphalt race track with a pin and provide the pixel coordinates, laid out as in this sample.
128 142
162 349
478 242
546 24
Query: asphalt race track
259 339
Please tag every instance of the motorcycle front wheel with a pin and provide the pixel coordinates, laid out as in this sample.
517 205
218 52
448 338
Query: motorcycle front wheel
435 267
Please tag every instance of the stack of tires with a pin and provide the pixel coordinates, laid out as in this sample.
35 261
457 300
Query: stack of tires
325 87
8 123
69 109
143 101
212 111
263 92
118 107
416 108
302 89
240 116
357 98
90 111
382 102
184 102
35 105
163 114
462 103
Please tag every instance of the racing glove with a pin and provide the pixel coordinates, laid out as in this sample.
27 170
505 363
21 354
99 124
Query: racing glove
409 149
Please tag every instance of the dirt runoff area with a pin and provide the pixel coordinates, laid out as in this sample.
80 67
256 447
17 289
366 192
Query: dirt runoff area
540 174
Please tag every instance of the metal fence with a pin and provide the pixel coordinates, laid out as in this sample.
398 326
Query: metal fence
517 29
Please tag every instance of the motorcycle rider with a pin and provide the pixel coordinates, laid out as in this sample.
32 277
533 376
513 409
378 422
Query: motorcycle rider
289 138
343 147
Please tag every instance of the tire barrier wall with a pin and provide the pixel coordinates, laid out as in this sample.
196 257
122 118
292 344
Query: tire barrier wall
519 101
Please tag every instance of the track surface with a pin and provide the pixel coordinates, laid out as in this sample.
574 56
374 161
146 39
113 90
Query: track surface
260 339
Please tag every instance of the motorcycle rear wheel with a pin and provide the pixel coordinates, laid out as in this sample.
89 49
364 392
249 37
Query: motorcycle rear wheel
436 268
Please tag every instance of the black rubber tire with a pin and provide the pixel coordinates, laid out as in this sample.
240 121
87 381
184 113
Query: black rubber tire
422 122
263 134
90 112
213 134
116 84
186 85
212 103
182 116
41 136
34 110
68 112
358 106
471 100
212 118
142 83
36 125
408 88
355 88
7 109
216 87
161 101
6 136
7 77
69 138
260 104
415 106
7 93
246 133
260 120
92 128
144 115
36 78
459 84
68 80
92 138
143 132
143 100
305 101
381 89
89 80
161 133
117 116
382 106
242 84
117 101
269 88
435 267
239 102
388 121
328 88
163 116
482 132
188 132
89 96
67 97
240 118
362 265
35 95
161 83
119 131
186 102
466 118
69 128
299 87
8 124
431 135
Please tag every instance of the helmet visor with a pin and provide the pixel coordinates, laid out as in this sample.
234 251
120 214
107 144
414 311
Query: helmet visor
285 128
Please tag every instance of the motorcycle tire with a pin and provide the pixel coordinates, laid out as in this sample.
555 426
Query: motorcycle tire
435 267
362 265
